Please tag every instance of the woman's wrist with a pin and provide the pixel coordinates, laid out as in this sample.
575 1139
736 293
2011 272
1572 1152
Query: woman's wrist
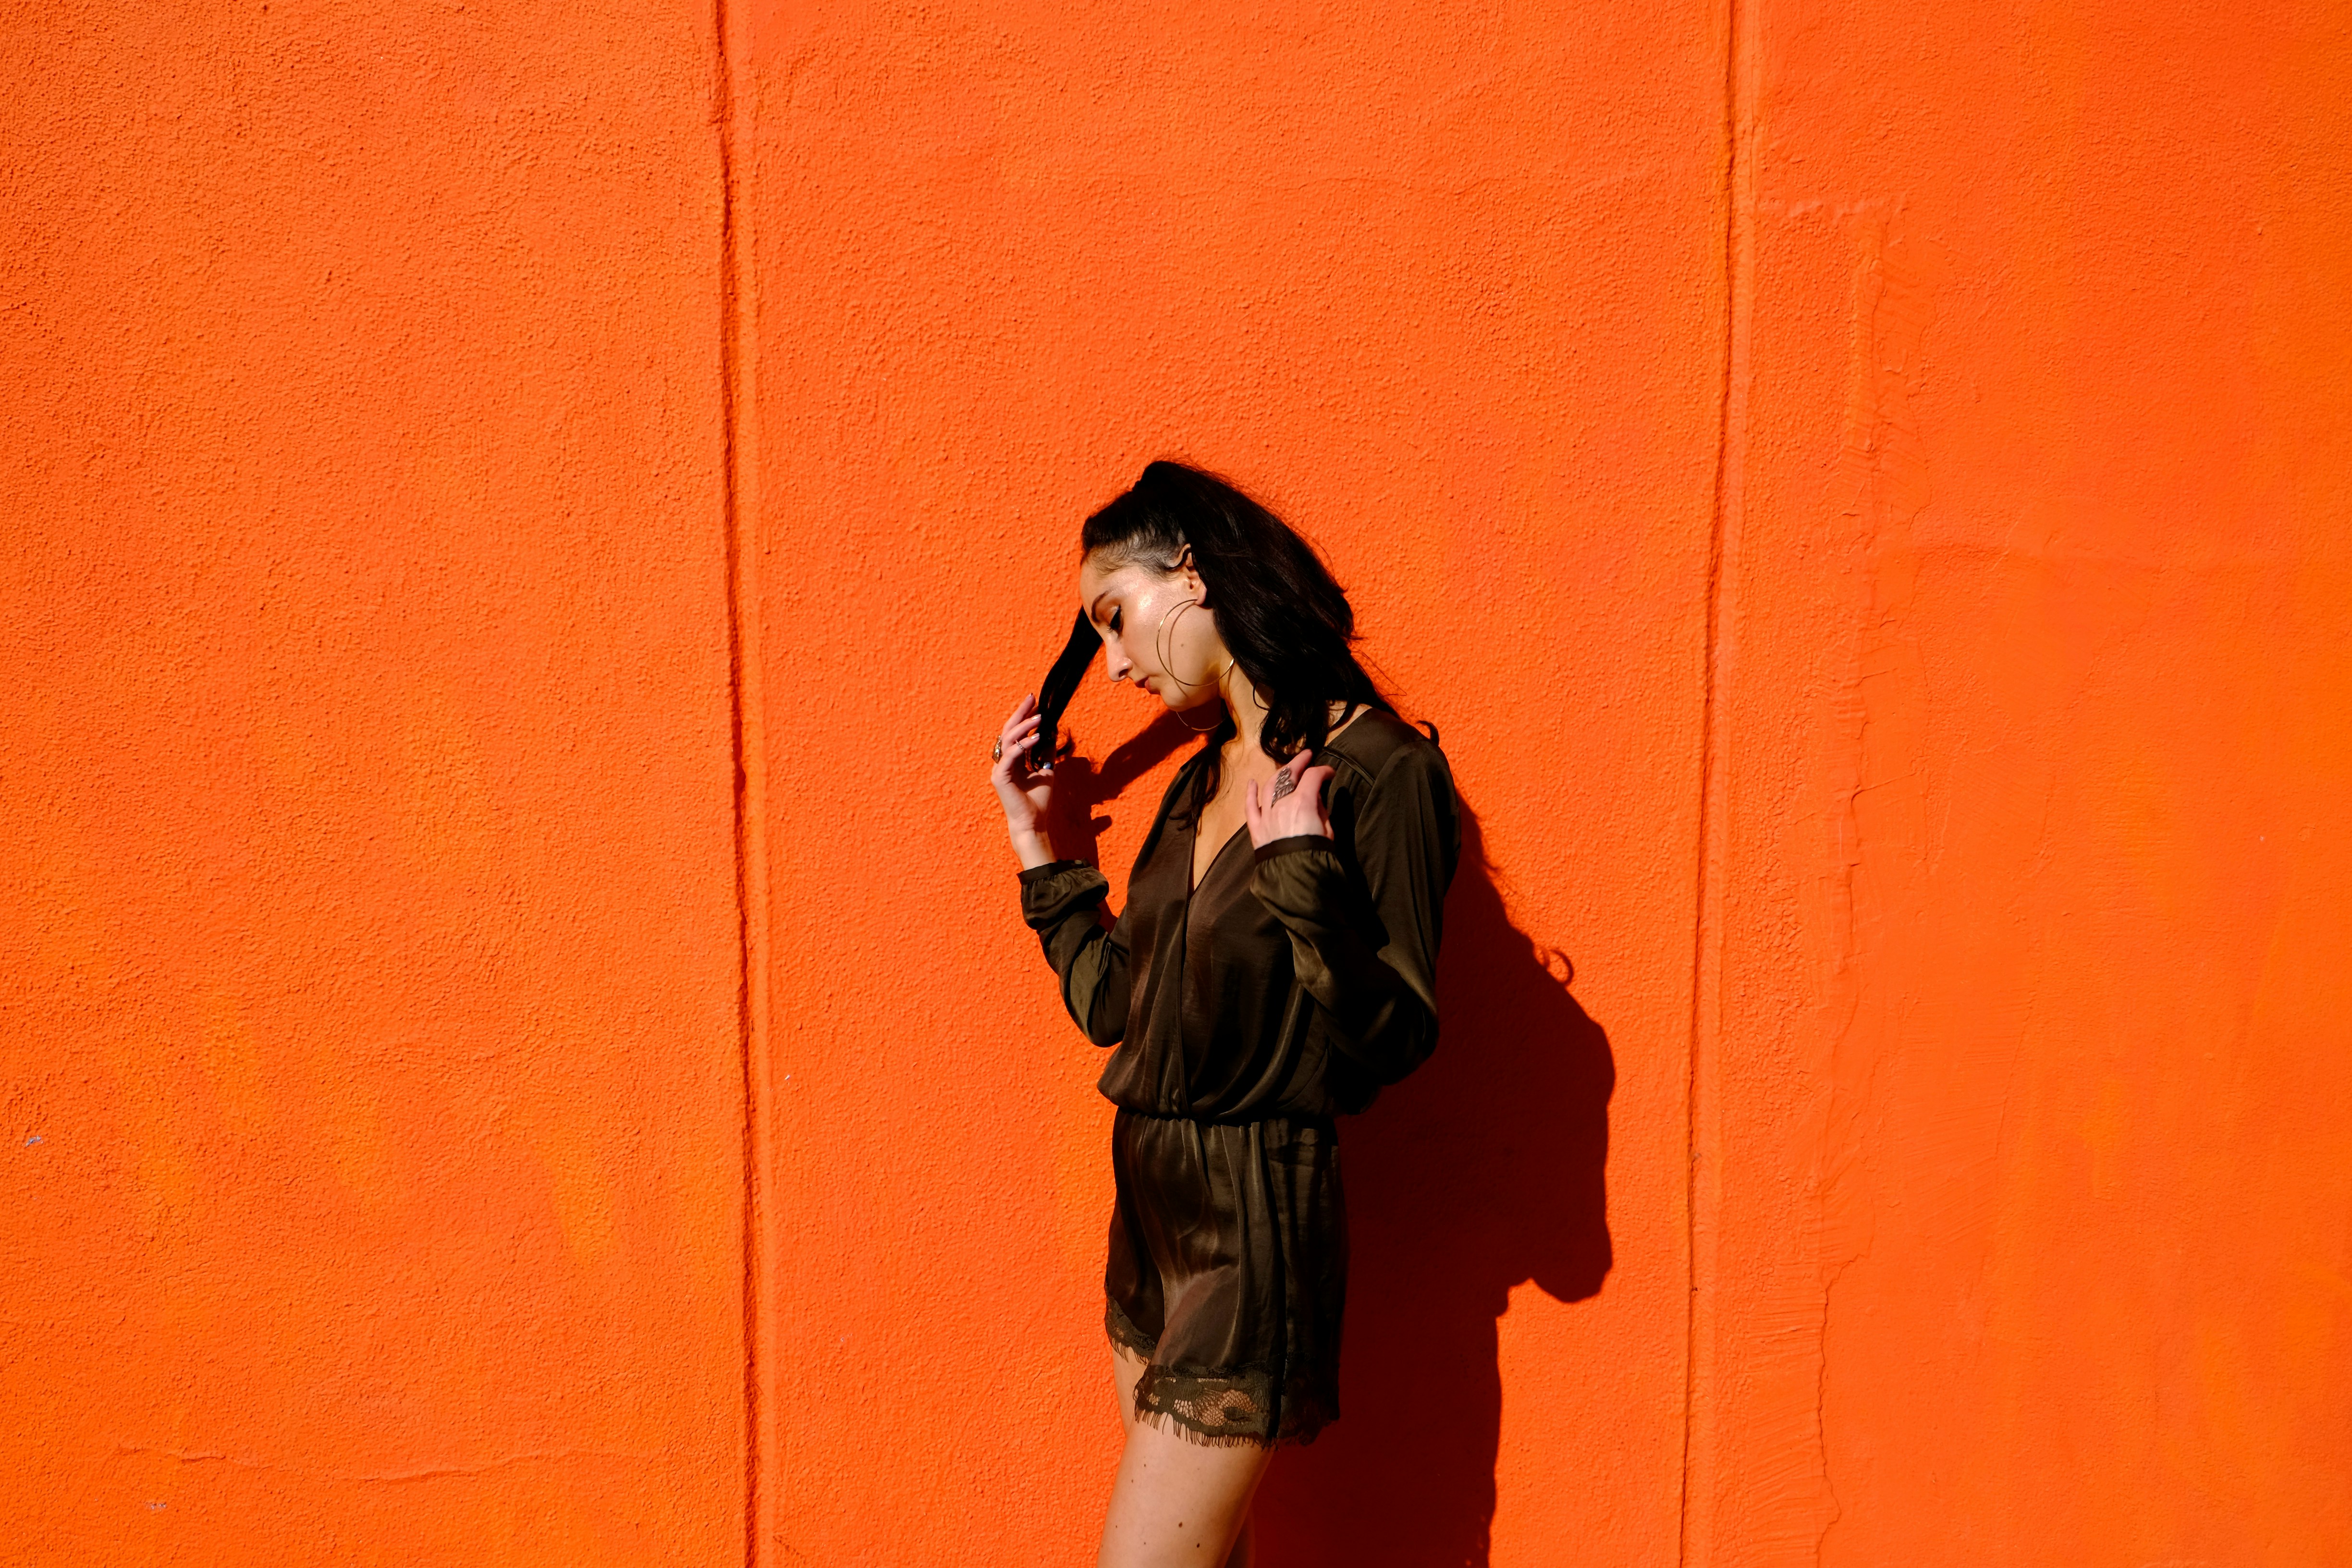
1035 849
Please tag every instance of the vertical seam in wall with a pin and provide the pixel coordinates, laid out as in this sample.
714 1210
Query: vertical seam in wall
738 523
1702 1134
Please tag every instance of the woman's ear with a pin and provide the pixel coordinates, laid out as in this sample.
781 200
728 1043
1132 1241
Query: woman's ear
1192 584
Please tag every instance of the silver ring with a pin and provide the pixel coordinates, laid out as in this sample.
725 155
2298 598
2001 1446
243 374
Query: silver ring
1283 784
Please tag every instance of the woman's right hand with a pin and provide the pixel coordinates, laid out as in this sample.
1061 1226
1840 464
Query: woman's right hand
1026 793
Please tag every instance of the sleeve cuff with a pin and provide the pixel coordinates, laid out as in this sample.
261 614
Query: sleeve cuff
1058 889
1294 844
1033 874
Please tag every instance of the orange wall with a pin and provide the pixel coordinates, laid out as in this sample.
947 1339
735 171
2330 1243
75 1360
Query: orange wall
371 1128
1440 288
1862 494
2026 1208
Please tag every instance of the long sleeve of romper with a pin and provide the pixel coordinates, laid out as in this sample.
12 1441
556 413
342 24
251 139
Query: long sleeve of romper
1366 948
1062 900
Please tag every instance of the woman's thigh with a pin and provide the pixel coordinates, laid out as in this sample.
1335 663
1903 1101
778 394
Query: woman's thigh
1174 1502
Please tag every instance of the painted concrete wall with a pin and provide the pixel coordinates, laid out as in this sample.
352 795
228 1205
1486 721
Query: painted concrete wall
370 1131
2025 1218
1863 496
1441 287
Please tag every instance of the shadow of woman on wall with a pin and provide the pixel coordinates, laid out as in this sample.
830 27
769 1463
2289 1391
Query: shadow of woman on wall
1481 1170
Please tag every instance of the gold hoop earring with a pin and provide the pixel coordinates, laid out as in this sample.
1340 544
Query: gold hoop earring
1160 635
1159 643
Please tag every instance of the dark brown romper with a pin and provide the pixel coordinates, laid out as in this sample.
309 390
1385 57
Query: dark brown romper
1285 990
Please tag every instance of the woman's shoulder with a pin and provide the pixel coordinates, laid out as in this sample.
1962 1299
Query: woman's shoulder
1400 791
1376 743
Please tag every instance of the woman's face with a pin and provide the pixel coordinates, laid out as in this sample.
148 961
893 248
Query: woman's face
1151 635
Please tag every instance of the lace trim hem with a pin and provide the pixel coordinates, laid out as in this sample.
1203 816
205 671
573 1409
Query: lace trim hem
1227 1409
1218 1409
1125 1334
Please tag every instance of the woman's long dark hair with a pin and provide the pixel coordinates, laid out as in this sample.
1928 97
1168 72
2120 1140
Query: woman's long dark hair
1286 622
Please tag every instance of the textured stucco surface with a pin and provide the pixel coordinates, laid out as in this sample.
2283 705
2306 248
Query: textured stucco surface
369 1133
1440 285
2030 1239
1862 493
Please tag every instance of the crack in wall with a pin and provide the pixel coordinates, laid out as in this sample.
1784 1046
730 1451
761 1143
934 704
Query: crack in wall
1877 782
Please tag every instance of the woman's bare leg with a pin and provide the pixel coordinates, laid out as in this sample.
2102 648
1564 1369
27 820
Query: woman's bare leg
1176 1504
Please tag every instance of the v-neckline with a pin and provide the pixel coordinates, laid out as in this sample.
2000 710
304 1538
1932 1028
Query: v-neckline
1193 856
1195 880
1193 851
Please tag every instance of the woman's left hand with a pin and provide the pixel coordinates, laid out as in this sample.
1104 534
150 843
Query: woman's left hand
1296 815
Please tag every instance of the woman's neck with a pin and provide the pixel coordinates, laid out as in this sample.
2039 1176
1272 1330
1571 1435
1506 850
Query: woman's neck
1249 713
1242 702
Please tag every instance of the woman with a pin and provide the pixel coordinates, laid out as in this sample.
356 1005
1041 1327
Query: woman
1252 997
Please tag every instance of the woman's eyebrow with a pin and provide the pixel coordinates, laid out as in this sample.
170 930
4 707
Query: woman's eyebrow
1094 611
